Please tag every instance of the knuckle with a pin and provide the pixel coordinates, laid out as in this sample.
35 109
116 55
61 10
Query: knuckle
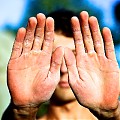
86 27
110 50
95 31
108 44
88 36
39 36
17 46
88 41
97 42
27 43
49 35
75 30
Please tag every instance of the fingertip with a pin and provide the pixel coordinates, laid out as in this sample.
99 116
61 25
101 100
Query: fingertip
20 34
106 29
69 57
84 14
50 20
50 24
22 30
41 15
107 33
32 21
93 22
74 18
67 51
57 56
93 19
61 49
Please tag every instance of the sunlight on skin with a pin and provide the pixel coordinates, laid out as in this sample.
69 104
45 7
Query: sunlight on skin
91 73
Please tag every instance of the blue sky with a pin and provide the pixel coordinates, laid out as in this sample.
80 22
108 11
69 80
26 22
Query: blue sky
107 7
12 10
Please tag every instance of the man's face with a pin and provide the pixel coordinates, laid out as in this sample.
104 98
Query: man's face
63 92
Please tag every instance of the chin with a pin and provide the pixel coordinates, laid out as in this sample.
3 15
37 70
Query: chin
62 96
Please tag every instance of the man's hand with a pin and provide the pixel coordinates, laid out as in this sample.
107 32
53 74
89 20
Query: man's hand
33 71
93 72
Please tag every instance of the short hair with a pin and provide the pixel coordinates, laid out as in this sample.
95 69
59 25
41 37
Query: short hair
62 20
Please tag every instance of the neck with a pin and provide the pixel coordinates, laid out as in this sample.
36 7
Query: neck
72 110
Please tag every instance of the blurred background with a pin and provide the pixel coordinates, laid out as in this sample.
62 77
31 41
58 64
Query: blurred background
15 13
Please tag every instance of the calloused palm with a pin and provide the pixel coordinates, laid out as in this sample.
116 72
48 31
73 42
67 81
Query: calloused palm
93 73
33 71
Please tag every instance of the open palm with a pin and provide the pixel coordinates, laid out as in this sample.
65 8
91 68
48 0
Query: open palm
33 71
94 72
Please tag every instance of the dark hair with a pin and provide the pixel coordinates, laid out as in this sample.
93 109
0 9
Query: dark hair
62 20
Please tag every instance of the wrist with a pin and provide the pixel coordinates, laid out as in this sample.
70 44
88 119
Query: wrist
108 114
26 112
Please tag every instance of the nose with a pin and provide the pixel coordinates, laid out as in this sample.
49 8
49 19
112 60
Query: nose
63 66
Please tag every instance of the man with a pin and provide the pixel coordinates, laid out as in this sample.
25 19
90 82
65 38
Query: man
44 66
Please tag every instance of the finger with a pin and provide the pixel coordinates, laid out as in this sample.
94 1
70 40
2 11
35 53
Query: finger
109 45
49 35
56 62
30 30
96 35
17 46
86 31
71 66
78 40
39 35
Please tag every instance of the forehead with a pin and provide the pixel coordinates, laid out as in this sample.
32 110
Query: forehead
61 40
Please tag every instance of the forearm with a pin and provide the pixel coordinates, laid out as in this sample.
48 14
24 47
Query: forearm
20 113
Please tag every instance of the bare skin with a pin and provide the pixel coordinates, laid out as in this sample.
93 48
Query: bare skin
69 111
34 71
33 64
63 104
55 112
93 74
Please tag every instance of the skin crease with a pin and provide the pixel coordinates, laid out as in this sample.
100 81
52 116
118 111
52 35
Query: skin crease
93 71
63 98
63 41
